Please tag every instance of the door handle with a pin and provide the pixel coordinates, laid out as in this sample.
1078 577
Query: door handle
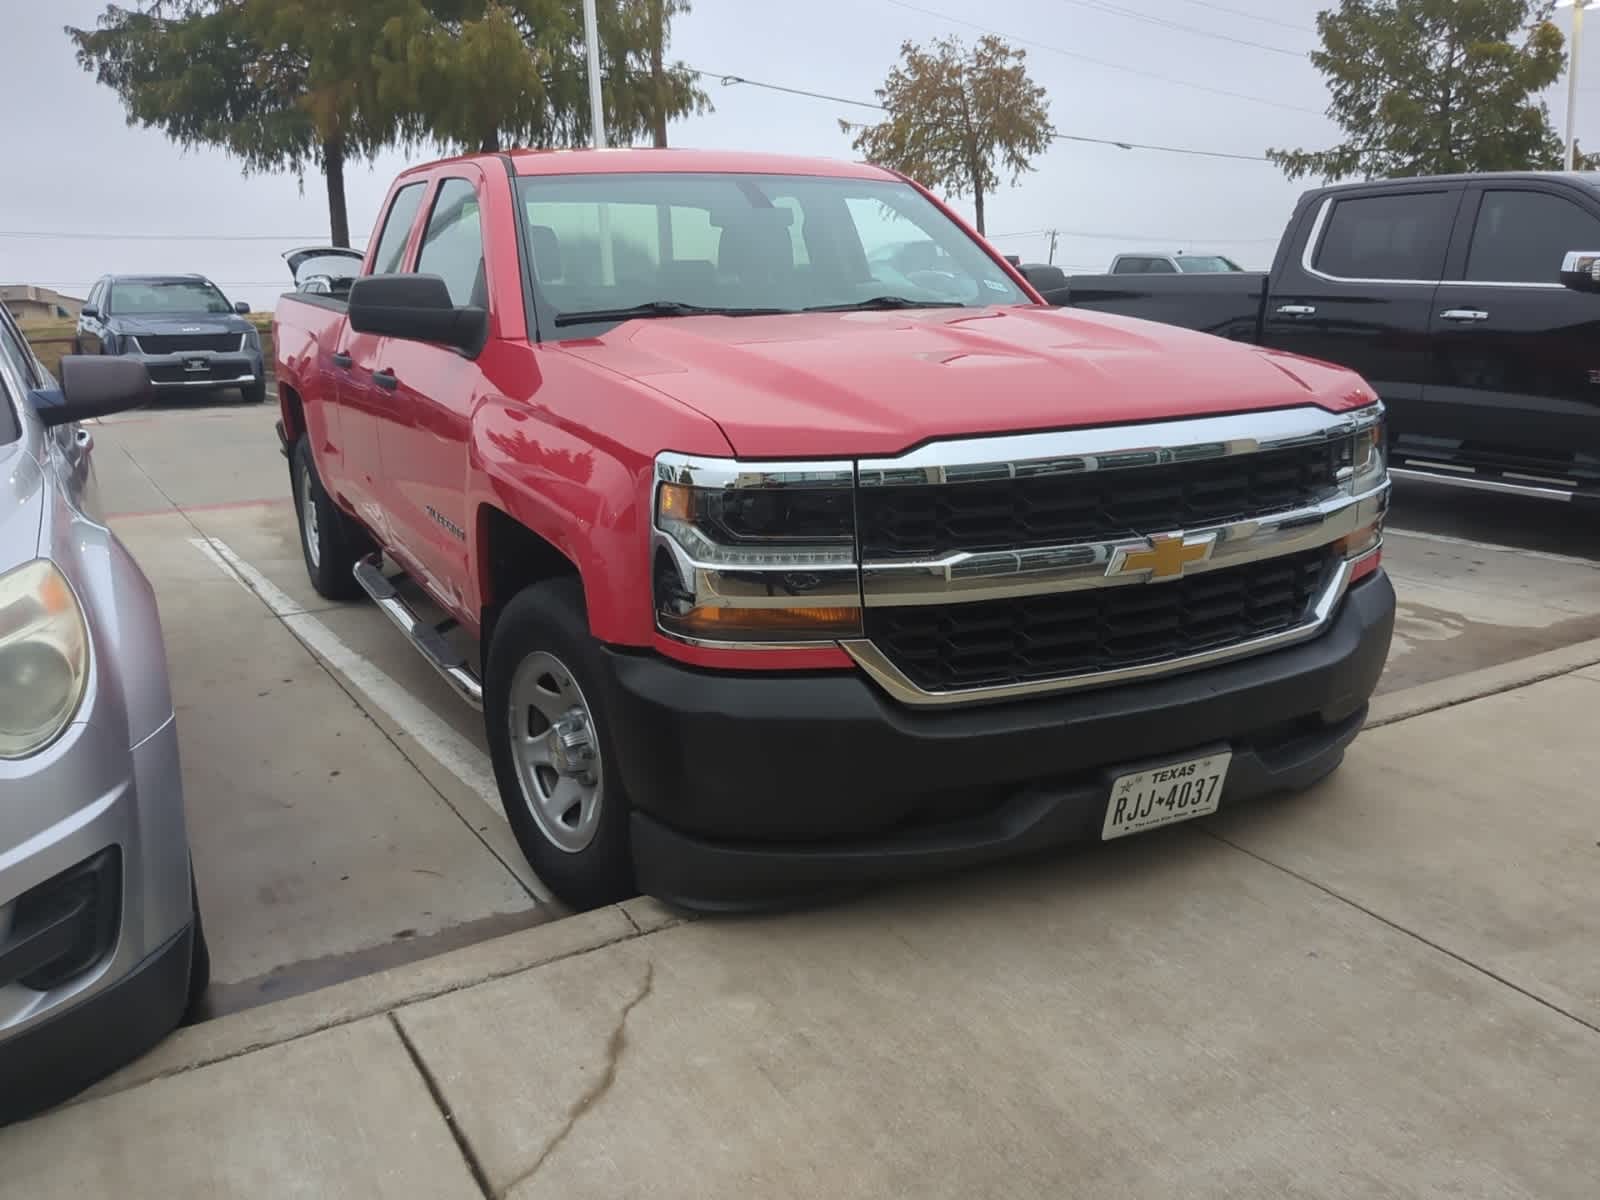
386 380
1464 314
341 359
1297 310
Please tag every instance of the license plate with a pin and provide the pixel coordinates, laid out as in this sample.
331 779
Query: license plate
196 364
1165 795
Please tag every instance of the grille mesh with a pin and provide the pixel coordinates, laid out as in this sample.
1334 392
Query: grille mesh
177 343
929 520
988 643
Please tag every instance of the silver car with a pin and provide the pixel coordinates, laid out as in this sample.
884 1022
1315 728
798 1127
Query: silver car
101 949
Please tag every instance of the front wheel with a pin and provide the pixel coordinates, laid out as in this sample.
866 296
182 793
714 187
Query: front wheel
331 542
255 393
554 757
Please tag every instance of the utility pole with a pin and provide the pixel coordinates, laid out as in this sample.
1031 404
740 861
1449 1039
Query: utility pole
1577 7
597 116
1052 259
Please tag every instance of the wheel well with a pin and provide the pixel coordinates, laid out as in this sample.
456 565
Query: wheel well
294 413
513 557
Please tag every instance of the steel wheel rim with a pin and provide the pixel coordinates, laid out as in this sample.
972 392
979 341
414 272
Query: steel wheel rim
308 519
556 752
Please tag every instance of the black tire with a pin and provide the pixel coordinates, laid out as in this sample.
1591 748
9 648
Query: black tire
199 962
549 618
255 393
340 542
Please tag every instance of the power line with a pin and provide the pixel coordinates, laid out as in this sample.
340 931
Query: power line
729 80
1100 62
1250 16
1149 18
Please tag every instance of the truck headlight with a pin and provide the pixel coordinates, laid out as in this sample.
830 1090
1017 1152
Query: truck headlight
44 657
1363 470
760 552
252 338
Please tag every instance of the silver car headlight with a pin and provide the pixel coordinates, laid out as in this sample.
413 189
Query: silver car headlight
1364 469
44 657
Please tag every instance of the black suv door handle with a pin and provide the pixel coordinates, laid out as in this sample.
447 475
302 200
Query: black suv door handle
385 380
342 359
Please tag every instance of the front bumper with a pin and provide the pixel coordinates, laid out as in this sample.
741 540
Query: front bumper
752 789
201 370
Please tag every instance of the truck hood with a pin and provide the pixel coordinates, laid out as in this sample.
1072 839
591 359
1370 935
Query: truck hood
875 383
197 323
21 505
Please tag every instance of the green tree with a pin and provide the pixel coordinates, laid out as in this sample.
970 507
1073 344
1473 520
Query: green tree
1432 87
482 74
959 117
282 85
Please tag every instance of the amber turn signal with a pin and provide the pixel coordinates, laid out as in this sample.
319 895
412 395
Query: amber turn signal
761 624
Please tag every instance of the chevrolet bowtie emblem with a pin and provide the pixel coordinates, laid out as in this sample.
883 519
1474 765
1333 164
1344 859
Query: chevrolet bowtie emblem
1167 556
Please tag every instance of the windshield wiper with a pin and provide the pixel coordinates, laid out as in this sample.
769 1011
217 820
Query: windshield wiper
884 303
659 308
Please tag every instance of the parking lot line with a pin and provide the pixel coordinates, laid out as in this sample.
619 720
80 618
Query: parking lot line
453 752
1468 543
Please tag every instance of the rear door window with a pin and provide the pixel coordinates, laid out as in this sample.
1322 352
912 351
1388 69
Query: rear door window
1522 237
452 245
397 230
1388 237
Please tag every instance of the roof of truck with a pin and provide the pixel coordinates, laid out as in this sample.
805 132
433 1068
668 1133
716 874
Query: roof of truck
1584 178
630 160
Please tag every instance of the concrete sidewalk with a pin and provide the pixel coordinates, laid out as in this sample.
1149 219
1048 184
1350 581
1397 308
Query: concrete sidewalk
1387 987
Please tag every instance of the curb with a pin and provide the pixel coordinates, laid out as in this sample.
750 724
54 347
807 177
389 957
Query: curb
372 995
1475 685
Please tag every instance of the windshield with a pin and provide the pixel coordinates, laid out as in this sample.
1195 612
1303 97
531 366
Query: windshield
152 297
1204 263
606 244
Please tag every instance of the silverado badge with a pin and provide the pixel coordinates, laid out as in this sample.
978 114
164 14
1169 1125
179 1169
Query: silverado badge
1166 555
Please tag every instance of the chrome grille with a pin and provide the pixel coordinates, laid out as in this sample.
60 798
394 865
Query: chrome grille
925 520
951 647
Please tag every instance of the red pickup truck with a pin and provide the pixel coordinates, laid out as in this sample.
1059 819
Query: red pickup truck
789 541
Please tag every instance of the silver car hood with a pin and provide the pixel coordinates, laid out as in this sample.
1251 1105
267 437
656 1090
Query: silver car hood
21 505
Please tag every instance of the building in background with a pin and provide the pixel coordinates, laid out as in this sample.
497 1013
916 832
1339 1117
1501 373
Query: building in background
31 304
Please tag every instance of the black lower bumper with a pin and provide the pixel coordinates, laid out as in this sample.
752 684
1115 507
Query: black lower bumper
752 789
59 1057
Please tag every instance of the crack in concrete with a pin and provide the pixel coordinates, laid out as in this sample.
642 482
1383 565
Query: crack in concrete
616 1046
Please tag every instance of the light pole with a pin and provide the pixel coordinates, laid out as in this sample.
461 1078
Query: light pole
597 116
1577 7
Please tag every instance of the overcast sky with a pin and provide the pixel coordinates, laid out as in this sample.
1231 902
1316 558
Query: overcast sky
77 169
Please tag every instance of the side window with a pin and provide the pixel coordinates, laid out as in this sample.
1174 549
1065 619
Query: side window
17 354
1521 237
1128 266
397 229
1388 237
452 245
1160 266
94 295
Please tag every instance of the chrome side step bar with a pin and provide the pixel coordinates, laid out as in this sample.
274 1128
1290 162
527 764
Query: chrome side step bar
1479 483
429 642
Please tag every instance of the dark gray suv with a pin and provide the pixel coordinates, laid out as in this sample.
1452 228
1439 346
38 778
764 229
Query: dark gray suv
181 327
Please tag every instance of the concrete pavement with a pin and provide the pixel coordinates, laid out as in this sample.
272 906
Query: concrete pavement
1386 987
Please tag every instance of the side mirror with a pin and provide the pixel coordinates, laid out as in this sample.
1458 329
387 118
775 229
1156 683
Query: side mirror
417 308
240 307
93 385
89 310
1580 271
1050 282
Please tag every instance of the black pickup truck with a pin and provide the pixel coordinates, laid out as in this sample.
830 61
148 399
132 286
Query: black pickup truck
1466 301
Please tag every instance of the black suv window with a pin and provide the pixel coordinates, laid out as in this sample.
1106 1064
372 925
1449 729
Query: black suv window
1521 237
452 245
1388 237
397 230
1131 266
